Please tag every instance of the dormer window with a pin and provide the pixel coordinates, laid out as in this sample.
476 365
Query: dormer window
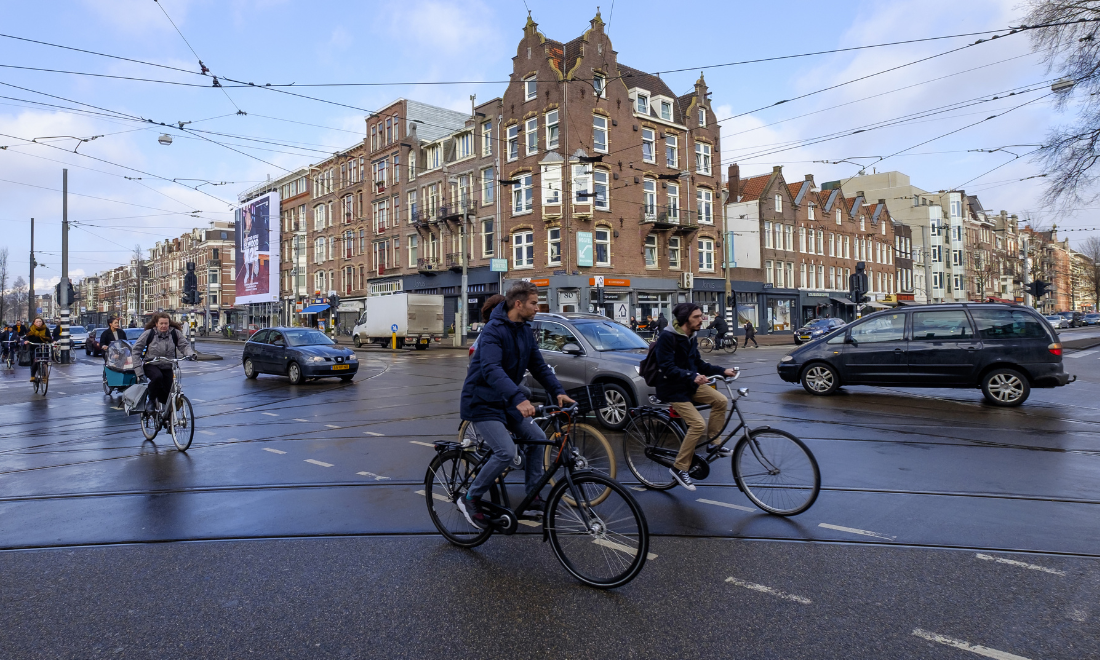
599 86
666 111
530 88
642 104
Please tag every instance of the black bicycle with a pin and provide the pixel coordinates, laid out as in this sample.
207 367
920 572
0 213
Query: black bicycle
773 468
596 528
728 343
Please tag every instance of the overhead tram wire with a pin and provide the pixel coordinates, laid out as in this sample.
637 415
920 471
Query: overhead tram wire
193 214
199 59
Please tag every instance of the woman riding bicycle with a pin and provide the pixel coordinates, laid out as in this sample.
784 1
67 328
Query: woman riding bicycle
38 333
163 337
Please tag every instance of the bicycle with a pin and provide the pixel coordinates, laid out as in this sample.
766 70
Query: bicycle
178 418
727 343
42 355
778 472
602 544
9 354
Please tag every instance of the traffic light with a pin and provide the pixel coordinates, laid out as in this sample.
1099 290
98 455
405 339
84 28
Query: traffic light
334 301
190 285
1038 288
857 284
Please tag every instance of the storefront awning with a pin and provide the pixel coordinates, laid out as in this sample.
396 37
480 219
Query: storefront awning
842 301
314 309
876 305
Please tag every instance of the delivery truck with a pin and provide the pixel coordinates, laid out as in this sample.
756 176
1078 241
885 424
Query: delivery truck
416 318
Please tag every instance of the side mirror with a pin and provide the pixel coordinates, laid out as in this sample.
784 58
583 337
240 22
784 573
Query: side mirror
848 339
572 349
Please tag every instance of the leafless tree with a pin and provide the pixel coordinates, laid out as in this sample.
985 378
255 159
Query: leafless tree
3 284
18 299
1071 49
1090 248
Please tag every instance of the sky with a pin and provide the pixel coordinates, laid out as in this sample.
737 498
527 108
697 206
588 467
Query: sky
126 189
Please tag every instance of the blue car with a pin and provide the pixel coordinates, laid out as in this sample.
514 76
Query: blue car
298 354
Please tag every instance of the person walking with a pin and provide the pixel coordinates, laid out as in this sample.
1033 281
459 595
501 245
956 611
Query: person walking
750 333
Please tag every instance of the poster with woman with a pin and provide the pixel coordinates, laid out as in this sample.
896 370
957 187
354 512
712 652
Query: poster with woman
256 258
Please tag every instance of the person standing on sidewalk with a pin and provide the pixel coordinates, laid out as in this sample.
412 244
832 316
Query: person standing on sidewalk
750 333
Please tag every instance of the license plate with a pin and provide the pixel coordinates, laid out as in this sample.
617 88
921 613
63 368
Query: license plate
805 337
337 367
423 341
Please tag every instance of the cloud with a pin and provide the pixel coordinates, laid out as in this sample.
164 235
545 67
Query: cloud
139 17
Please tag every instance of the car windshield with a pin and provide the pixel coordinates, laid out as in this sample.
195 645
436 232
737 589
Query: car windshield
306 338
77 330
134 333
610 336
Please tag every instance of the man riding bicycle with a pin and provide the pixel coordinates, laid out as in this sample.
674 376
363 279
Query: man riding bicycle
494 402
721 329
8 338
682 374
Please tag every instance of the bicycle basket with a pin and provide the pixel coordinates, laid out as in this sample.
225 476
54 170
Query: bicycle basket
589 398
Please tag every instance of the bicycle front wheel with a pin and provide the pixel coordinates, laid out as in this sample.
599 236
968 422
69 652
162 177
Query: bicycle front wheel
706 344
777 472
181 422
730 345
44 376
650 431
603 545
449 476
595 454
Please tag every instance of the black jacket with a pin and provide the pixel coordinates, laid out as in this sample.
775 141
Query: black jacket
106 337
750 331
662 322
679 362
505 351
719 325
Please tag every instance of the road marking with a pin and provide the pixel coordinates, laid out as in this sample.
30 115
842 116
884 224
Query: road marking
1013 562
1082 354
727 505
298 419
620 547
322 464
207 432
269 414
274 451
436 496
199 400
373 433
425 444
768 590
861 532
332 426
640 489
966 646
529 523
377 477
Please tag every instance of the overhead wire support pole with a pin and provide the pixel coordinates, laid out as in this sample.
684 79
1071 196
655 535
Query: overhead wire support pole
30 283
63 286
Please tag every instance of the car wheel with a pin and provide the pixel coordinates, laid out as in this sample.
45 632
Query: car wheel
797 341
357 341
821 379
250 369
294 372
614 416
1005 387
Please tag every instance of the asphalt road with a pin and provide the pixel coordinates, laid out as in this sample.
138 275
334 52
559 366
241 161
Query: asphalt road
292 528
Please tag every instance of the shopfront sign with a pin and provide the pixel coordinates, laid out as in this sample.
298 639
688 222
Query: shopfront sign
498 265
816 294
909 297
584 248
545 281
608 281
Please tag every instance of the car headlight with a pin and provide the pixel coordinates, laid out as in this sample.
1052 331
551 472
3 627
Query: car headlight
314 358
353 358
787 358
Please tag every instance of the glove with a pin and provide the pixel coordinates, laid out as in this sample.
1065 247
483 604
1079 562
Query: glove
192 358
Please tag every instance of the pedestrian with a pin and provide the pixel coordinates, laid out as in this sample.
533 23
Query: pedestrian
662 322
750 333
163 337
55 334
634 324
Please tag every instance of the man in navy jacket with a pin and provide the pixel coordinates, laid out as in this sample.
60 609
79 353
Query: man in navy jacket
494 402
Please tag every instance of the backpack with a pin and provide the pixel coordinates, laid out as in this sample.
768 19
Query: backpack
648 369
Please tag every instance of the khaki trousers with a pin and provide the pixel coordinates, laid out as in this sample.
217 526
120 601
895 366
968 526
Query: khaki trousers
696 427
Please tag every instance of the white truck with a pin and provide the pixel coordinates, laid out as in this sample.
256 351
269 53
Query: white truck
416 318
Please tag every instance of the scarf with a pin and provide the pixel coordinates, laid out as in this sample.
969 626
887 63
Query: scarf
42 333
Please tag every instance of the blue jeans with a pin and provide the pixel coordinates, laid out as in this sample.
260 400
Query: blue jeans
502 449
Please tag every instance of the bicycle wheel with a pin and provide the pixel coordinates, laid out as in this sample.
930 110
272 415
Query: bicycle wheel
44 376
706 344
181 422
150 425
645 431
449 474
595 452
778 472
603 545
729 345
37 383
466 431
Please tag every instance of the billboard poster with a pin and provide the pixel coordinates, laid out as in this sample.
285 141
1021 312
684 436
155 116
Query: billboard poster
256 258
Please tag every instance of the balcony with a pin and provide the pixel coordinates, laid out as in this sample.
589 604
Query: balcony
454 261
428 266
666 218
456 211
422 219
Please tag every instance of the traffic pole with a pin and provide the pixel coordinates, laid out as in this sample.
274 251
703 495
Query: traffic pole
30 283
63 289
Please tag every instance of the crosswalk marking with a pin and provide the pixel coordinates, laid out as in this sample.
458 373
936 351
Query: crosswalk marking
316 462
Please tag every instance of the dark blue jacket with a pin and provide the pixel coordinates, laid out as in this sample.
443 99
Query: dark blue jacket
505 351
679 362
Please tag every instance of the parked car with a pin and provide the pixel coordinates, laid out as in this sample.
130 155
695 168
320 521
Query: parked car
1057 321
1092 319
1073 319
584 349
816 328
77 336
1003 349
299 354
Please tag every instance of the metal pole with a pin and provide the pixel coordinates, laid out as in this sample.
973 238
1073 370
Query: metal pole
30 283
64 286
464 306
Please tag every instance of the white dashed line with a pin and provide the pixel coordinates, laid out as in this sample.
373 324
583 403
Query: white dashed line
332 426
1013 562
269 414
199 400
727 505
297 419
322 464
529 523
207 432
377 477
435 496
373 433
861 532
274 451
966 646
768 590
1082 354
424 444
640 489
620 547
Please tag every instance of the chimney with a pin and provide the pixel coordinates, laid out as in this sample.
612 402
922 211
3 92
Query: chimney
882 201
777 169
734 181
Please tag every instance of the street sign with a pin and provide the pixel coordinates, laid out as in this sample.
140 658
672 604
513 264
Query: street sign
584 248
498 265
597 281
620 312
393 328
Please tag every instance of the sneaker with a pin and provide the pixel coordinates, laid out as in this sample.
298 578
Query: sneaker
536 508
475 515
682 478
722 451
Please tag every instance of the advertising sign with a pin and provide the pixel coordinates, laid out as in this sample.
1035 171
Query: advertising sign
584 248
498 265
256 257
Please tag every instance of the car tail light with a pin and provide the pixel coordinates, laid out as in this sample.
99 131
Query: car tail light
1055 349
471 351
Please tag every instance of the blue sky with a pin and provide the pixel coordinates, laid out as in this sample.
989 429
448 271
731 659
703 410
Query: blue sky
285 41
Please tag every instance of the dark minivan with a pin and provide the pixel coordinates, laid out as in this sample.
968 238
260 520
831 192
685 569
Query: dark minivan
1003 349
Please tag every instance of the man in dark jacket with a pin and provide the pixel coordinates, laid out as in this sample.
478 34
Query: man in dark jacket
662 322
494 403
684 380
720 329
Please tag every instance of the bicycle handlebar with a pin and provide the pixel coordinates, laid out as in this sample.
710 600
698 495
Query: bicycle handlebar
546 412
725 379
172 360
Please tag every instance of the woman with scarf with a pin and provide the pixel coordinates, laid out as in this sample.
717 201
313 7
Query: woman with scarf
38 333
163 337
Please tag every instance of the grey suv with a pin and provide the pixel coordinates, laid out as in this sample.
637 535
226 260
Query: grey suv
587 348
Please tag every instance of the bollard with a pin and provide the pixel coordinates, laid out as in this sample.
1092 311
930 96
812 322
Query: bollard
393 345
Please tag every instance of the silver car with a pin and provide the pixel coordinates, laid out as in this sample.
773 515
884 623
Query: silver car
1057 321
584 349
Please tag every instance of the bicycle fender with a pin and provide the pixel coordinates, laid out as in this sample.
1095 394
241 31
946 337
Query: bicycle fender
762 428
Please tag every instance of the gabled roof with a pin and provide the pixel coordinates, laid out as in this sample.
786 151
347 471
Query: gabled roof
830 199
657 87
753 187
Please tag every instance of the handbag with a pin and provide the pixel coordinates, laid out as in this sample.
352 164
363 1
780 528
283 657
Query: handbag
134 397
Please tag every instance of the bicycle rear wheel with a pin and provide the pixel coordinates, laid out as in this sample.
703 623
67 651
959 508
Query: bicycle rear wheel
730 345
595 452
777 472
649 430
448 477
706 344
603 545
466 432
181 422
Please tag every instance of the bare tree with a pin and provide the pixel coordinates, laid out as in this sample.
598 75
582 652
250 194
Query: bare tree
1071 49
1090 248
18 298
3 284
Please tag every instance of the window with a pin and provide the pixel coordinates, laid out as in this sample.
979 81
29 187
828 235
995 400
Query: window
582 184
348 208
674 252
889 327
768 273
649 139
641 105
706 254
957 280
956 208
530 88
704 200
532 132
389 131
883 226
956 257
551 185
486 138
811 245
937 280
488 233
349 244
318 217
810 211
651 251
832 244
788 237
936 252
838 217
832 278
768 234
863 223
464 146
603 247
523 249
599 134
553 246
702 116
802 275
702 158
821 277
649 198
373 137
522 195
599 86
414 250
666 111
779 204
488 186
553 337
672 152
673 202
600 182
820 241
513 142
552 129
1007 324
941 326
412 165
